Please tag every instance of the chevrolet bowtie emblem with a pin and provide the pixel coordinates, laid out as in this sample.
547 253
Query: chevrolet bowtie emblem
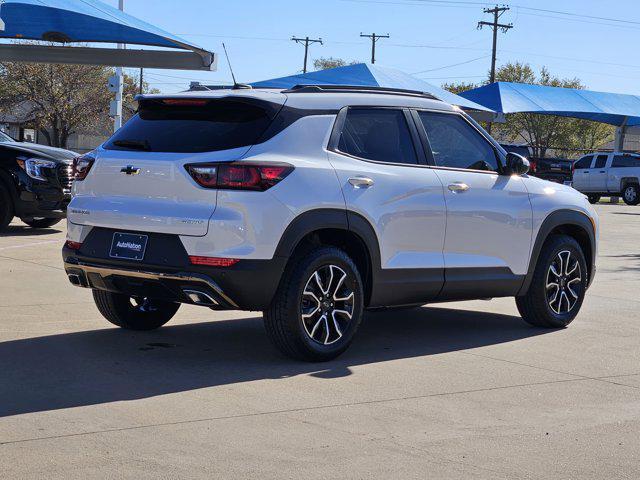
130 170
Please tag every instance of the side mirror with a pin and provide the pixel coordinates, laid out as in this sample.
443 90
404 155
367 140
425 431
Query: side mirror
516 164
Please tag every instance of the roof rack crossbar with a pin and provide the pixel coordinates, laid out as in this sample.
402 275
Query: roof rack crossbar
356 89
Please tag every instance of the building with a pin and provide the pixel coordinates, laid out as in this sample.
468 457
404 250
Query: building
18 122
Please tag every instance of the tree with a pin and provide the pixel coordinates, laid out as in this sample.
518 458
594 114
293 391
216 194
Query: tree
460 87
548 132
330 62
565 136
62 98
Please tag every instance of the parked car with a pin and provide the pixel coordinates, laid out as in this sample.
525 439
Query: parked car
520 149
35 182
556 170
607 173
313 204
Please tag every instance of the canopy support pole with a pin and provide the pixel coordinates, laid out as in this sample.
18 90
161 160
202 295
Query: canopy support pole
621 132
117 119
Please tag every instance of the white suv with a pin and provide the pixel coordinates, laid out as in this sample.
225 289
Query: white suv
314 204
599 174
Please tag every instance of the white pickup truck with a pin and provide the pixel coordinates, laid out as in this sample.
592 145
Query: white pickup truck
605 173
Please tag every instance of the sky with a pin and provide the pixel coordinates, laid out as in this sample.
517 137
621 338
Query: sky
437 40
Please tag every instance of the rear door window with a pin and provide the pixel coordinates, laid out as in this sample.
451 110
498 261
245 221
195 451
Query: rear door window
379 134
454 143
601 161
193 125
584 162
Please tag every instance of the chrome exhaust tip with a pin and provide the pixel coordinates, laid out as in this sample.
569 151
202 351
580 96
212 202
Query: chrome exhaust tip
75 279
200 298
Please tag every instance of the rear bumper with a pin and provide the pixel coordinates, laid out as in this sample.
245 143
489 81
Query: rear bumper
179 286
248 285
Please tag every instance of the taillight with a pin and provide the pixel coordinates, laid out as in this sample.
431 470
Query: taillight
533 165
239 175
82 165
213 261
185 102
73 245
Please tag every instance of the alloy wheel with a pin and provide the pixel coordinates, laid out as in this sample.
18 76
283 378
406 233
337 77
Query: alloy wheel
142 304
563 278
327 305
630 194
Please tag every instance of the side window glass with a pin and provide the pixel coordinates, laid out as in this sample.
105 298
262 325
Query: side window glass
601 161
584 162
377 134
625 161
455 143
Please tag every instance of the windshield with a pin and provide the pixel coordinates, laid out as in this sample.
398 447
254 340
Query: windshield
5 138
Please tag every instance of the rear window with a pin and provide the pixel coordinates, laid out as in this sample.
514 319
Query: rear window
194 125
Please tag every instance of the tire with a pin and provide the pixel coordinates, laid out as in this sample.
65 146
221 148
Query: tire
631 194
593 198
316 337
537 307
134 313
41 222
6 208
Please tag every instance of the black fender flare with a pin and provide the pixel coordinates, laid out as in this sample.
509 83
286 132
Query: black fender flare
324 218
554 220
337 219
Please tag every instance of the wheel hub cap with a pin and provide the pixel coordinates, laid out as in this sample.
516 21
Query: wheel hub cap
564 280
327 305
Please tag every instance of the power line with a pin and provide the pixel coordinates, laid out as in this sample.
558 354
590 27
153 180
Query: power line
449 66
374 39
470 4
306 41
571 14
578 20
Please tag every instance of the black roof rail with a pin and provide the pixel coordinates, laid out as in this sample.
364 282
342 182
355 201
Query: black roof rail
357 89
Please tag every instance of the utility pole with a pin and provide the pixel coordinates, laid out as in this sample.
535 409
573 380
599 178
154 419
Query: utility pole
374 38
497 13
306 41
505 27
141 79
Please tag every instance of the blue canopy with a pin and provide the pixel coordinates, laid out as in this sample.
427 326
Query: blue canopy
81 21
368 75
613 108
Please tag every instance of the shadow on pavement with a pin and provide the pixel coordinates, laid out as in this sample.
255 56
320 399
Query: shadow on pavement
100 366
26 231
632 262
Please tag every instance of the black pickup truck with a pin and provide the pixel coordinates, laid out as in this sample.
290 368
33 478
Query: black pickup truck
557 170
35 182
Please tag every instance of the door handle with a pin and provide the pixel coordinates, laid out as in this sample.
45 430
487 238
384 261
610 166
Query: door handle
361 182
603 171
458 187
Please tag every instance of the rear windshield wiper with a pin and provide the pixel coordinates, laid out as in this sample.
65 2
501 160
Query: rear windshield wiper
133 144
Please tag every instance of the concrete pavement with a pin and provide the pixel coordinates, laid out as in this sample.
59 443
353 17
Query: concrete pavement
459 390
